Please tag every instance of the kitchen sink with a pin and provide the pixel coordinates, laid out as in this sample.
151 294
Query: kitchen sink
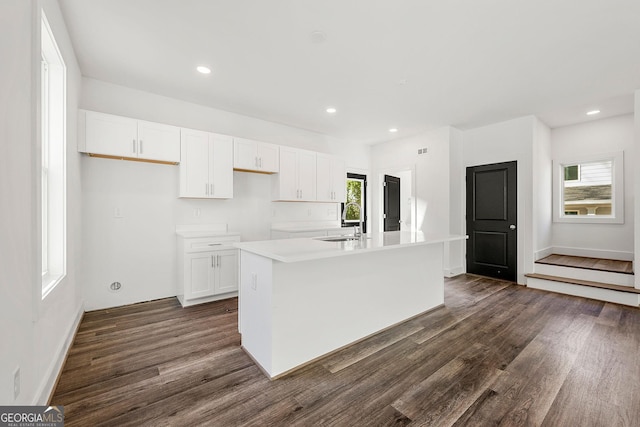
338 238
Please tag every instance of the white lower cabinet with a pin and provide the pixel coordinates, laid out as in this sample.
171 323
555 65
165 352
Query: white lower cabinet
207 269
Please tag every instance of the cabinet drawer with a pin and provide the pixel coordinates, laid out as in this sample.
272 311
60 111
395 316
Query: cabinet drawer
204 244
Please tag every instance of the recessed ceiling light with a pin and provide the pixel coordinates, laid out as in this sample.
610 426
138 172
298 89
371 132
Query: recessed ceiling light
204 70
593 112
317 37
393 130
331 110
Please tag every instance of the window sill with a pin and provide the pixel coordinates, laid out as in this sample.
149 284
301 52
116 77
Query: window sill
585 219
49 282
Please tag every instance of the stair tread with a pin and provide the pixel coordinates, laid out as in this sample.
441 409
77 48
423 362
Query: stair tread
584 282
588 263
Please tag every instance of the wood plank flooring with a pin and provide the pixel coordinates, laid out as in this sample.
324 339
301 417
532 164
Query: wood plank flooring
496 354
612 265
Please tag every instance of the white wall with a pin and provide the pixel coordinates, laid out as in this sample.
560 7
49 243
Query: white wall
34 333
503 142
457 188
406 199
599 136
138 250
542 185
432 188
635 159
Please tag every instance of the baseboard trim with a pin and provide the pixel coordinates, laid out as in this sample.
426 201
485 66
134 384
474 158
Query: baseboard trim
46 388
543 253
453 272
593 253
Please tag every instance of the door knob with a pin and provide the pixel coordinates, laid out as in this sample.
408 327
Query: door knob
512 226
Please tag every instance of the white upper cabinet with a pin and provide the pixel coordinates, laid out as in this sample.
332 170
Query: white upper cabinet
297 178
331 178
109 135
158 141
206 169
256 156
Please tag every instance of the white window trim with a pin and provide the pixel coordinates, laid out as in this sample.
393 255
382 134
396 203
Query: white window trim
55 270
617 189
362 195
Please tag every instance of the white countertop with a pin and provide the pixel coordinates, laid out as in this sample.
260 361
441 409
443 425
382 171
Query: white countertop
306 249
204 230
210 233
303 228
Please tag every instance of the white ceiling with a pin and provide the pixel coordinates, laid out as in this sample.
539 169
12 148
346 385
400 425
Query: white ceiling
411 64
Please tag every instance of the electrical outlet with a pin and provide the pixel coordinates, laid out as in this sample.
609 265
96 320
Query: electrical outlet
16 383
117 212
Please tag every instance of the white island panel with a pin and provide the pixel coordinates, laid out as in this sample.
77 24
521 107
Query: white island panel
303 310
336 302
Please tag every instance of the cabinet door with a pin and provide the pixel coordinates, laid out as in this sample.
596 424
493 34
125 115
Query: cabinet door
339 172
268 157
221 167
307 175
199 275
111 135
324 178
194 164
287 187
158 142
245 154
226 263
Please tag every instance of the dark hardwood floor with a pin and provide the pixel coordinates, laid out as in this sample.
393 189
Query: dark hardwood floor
496 354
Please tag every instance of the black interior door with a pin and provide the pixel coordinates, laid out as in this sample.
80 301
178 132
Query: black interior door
391 203
491 220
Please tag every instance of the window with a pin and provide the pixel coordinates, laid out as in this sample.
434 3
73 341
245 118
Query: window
53 148
589 189
356 192
572 173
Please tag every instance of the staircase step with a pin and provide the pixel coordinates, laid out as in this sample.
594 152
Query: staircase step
626 295
584 282
615 278
599 264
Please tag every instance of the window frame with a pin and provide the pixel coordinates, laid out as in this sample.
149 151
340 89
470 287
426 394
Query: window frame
617 189
53 147
351 223
578 166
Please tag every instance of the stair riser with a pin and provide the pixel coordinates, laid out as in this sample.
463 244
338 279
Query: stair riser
584 274
600 294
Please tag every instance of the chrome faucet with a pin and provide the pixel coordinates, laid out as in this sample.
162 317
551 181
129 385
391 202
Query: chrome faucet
357 231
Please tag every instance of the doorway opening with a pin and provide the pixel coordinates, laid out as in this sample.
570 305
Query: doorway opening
492 220
356 193
406 219
391 214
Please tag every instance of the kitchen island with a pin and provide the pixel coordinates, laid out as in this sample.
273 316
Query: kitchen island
301 299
